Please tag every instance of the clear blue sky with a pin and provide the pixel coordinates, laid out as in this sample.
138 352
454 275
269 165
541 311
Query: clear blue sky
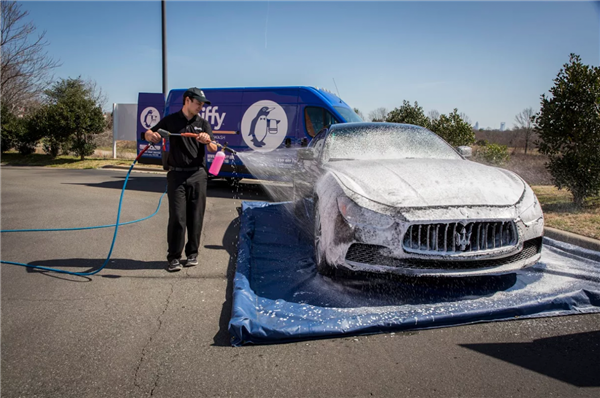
490 60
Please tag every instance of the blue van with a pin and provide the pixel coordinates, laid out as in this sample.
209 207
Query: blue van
259 119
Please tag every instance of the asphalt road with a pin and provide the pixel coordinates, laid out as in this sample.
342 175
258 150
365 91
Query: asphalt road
135 330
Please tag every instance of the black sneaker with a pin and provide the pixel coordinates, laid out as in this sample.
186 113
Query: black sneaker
191 261
174 265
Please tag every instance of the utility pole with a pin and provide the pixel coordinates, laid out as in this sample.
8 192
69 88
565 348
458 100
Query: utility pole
164 47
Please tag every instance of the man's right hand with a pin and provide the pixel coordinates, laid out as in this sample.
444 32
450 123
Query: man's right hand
151 136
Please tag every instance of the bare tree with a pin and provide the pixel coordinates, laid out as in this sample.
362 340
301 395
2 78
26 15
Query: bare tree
464 117
378 115
525 124
433 115
26 66
359 113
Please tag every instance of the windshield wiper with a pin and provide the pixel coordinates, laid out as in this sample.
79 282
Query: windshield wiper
337 159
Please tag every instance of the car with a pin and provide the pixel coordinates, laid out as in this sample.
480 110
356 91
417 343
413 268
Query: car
397 198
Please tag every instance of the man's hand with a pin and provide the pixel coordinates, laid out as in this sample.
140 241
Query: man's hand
151 136
203 138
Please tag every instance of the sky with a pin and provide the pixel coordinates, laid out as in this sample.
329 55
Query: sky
490 60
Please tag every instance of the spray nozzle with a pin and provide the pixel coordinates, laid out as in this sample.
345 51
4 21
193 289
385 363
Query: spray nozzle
224 147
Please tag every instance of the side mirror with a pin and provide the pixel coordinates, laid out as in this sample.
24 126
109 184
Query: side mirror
465 151
306 154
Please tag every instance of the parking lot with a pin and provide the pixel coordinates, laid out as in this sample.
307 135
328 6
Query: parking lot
134 330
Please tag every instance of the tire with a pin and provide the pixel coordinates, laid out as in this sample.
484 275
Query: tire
320 261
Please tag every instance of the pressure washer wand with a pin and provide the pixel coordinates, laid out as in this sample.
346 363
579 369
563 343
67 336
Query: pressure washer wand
165 134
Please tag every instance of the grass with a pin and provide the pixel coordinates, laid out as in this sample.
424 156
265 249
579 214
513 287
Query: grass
560 213
63 162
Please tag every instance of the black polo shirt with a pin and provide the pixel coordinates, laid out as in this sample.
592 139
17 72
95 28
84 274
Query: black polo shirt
184 151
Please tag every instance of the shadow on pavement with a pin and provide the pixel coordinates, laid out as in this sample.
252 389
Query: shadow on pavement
230 241
571 359
89 265
217 188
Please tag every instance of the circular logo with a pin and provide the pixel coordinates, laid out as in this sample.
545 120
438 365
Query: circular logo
264 126
149 117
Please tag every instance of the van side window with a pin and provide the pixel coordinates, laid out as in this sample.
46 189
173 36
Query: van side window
316 118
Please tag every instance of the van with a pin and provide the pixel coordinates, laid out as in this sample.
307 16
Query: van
259 119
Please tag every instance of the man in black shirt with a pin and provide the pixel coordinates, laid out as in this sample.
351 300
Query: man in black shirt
187 176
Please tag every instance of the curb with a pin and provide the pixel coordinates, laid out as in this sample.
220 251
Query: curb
574 239
135 168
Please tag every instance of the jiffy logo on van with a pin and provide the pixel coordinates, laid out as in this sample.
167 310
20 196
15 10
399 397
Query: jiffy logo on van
211 114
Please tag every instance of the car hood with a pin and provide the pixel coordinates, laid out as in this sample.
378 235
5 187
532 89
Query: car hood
429 182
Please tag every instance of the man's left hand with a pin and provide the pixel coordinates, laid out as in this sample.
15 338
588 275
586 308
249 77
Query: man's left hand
203 138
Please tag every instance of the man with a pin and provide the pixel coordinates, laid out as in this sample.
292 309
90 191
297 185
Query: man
187 176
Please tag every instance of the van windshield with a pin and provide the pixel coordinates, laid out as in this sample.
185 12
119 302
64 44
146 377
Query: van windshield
348 114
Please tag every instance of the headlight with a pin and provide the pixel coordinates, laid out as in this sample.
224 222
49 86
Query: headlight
356 215
529 209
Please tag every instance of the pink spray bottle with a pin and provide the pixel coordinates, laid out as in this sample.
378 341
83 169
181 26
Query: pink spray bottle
215 167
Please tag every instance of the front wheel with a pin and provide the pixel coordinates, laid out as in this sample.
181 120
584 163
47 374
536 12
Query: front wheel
320 261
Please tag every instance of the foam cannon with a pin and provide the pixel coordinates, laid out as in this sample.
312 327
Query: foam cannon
215 167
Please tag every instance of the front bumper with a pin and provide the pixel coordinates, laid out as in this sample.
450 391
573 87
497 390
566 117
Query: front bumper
372 249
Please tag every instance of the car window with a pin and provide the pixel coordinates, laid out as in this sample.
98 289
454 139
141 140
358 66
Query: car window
316 118
318 142
385 141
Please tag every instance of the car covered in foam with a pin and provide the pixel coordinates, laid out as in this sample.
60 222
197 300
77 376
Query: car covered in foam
397 198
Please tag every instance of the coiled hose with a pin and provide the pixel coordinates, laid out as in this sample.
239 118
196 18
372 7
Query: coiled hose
116 225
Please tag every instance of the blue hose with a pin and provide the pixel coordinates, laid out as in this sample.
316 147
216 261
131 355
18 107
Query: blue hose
116 225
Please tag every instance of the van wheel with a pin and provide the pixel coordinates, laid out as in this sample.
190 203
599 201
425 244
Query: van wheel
320 261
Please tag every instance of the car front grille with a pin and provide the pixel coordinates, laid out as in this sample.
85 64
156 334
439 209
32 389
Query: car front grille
450 238
376 255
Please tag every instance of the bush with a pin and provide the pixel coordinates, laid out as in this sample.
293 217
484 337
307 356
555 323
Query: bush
482 143
453 129
9 130
25 140
494 154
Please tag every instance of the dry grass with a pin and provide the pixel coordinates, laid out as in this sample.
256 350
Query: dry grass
560 213
60 162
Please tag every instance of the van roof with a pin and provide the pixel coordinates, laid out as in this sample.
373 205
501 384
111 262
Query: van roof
328 96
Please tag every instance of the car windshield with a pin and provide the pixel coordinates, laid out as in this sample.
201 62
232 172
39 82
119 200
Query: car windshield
348 114
385 141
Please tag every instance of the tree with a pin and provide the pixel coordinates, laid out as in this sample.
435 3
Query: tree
454 129
568 126
378 115
525 124
409 114
74 115
359 113
25 66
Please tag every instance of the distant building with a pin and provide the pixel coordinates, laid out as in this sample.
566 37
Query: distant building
476 125
502 125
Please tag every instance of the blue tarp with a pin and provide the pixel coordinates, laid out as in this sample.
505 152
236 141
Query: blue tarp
279 296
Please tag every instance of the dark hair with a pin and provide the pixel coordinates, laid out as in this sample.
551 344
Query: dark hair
186 96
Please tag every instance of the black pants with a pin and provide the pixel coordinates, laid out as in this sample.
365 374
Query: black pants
186 191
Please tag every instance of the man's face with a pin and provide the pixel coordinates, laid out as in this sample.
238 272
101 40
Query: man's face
194 106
